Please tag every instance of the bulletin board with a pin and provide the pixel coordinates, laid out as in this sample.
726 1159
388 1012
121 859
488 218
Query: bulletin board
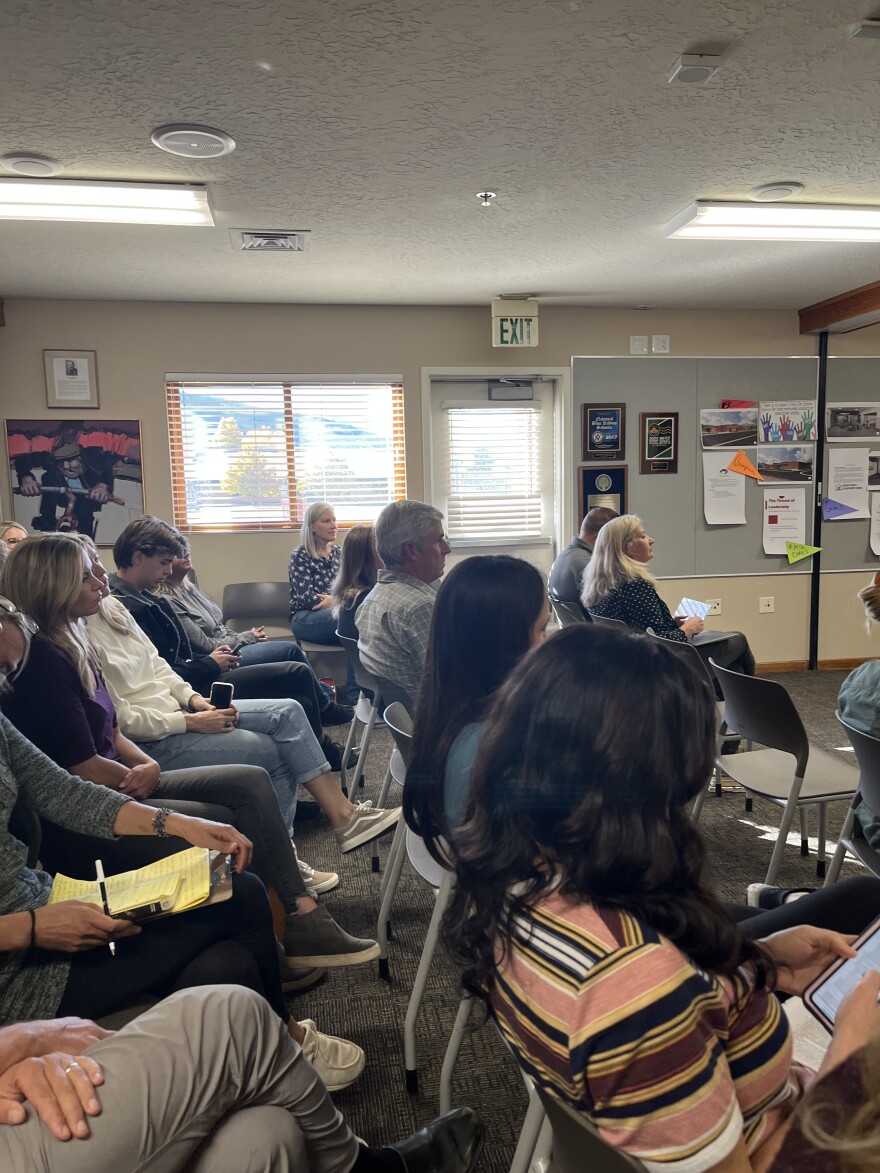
672 505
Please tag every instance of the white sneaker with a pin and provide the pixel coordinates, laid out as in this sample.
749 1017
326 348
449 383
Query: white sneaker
316 881
338 1062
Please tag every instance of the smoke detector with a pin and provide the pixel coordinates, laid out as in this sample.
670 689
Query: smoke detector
694 69
770 193
192 142
26 163
248 240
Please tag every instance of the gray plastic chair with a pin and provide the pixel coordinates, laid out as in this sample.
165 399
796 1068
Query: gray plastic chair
366 713
762 711
576 1144
851 839
607 621
257 604
568 613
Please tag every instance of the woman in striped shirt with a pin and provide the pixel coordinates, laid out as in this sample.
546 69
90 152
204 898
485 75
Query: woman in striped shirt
581 911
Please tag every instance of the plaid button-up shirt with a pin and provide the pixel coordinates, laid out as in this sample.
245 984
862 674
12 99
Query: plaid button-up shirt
393 624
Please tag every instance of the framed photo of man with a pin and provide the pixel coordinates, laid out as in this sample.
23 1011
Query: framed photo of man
75 476
605 486
71 378
658 442
604 431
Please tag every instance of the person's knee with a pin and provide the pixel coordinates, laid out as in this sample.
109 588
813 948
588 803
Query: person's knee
225 963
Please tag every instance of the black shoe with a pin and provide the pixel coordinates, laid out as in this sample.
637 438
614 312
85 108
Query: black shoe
306 811
335 714
450 1144
332 752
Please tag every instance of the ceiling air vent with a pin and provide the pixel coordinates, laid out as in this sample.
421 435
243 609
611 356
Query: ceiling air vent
248 241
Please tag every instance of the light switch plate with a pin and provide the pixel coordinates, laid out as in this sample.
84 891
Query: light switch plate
638 343
660 343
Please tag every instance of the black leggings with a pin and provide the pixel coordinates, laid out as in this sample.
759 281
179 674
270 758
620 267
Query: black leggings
846 907
232 942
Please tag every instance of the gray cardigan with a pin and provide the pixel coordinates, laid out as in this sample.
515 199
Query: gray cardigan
32 983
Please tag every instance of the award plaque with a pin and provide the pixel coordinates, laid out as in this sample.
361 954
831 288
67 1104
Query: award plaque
658 442
604 431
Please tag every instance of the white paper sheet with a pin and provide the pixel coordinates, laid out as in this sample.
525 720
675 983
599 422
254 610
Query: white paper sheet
690 608
875 522
724 492
785 518
848 480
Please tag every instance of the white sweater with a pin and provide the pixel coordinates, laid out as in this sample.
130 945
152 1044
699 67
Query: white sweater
149 697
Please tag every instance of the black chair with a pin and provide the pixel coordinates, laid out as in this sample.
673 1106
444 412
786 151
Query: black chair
763 712
257 604
867 750
607 621
568 613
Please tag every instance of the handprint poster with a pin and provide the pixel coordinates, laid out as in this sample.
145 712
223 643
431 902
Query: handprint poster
729 428
787 421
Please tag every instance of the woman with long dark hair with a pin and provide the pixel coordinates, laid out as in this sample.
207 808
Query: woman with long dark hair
489 611
582 914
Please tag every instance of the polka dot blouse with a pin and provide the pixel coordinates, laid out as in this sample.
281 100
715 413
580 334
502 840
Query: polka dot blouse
637 603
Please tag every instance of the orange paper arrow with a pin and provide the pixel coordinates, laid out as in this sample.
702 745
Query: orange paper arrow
741 463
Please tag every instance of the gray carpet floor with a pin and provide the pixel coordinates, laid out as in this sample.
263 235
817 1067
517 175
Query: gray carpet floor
357 1004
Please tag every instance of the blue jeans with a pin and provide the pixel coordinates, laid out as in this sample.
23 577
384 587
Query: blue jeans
318 626
272 734
280 651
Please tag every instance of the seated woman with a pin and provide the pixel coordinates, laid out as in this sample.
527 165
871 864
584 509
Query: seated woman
359 564
202 620
50 578
207 1080
12 533
313 567
489 611
859 704
54 959
584 920
617 585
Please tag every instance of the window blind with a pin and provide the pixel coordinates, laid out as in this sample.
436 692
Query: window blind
491 465
252 455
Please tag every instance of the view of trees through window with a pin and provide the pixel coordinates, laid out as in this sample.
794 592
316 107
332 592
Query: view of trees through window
254 455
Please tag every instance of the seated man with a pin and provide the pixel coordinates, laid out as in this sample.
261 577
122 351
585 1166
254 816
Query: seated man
567 572
395 618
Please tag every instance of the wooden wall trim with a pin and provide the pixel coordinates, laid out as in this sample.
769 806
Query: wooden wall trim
847 311
843 665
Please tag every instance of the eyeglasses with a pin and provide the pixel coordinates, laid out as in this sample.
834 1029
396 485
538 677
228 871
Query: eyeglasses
9 608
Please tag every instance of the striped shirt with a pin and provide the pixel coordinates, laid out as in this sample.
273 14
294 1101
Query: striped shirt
670 1063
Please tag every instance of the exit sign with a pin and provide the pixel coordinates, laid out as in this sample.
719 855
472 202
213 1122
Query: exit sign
514 323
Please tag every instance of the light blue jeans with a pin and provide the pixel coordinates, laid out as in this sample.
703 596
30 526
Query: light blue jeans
274 734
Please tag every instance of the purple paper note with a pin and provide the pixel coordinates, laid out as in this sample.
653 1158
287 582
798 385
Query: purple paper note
832 509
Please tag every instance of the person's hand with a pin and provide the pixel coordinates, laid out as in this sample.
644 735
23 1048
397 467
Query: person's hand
59 1086
212 720
692 626
325 601
100 493
28 487
225 658
857 1022
216 836
140 781
72 926
260 633
200 704
66 1034
803 953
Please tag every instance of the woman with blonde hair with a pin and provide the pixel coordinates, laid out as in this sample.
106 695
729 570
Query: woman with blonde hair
11 532
312 570
358 568
618 585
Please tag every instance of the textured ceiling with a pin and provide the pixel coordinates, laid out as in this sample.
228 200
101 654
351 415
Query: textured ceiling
378 121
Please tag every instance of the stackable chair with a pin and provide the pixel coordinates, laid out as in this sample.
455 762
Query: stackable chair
607 621
567 613
867 750
763 712
366 713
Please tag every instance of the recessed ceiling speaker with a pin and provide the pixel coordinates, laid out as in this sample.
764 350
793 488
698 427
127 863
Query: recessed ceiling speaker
37 166
694 69
770 193
192 142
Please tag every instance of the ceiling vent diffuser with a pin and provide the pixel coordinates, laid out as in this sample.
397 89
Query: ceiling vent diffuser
251 241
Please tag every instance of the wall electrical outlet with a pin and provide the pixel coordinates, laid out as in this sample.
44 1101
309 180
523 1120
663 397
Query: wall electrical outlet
766 605
638 343
660 343
714 606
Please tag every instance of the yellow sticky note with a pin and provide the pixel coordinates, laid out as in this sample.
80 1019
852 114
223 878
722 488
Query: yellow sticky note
797 550
742 464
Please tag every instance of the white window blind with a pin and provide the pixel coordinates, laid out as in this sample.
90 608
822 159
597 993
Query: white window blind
491 467
250 454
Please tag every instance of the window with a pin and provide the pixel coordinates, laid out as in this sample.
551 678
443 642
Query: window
493 469
249 455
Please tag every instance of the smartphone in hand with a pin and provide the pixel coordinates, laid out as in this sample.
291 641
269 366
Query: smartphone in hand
221 694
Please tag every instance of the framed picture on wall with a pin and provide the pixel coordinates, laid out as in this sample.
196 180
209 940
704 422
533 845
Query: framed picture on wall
604 486
658 442
79 476
71 378
604 431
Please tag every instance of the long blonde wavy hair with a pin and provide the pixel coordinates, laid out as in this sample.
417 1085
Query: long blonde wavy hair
610 564
112 611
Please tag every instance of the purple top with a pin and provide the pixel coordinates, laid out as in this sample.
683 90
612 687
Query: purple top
49 705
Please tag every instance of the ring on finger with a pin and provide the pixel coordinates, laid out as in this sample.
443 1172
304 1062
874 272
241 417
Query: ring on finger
70 1066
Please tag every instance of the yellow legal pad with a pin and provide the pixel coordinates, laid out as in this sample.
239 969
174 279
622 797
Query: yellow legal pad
185 877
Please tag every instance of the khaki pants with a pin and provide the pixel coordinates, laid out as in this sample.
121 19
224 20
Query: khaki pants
208 1081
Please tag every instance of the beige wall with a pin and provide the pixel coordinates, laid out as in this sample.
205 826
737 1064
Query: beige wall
138 342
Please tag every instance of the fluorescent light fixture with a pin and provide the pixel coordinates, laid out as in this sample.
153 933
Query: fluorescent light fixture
718 220
88 201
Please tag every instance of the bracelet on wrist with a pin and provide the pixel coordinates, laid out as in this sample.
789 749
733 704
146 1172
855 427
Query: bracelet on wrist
159 822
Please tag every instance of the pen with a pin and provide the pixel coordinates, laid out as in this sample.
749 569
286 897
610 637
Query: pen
99 869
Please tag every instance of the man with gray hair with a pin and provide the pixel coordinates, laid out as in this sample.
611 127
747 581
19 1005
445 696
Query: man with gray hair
394 619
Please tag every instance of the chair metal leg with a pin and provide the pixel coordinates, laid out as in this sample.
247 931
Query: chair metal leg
383 798
452 1049
805 839
788 814
393 868
837 860
349 742
365 744
531 1130
421 980
699 800
821 858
